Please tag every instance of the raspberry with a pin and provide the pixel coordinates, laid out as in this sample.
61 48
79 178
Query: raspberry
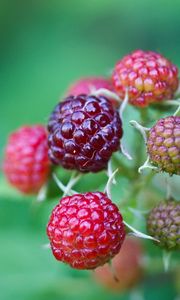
88 85
149 77
26 163
125 270
163 144
163 223
84 132
85 230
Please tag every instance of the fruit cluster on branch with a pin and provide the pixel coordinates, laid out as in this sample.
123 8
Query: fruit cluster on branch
84 130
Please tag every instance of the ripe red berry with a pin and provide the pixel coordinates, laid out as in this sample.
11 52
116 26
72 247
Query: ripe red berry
26 164
163 144
149 77
85 230
84 131
88 85
125 270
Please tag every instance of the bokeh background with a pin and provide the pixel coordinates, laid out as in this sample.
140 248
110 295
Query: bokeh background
44 46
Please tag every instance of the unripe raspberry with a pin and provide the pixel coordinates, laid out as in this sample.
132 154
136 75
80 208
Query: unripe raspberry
148 76
163 145
163 223
88 85
26 164
85 230
84 131
125 270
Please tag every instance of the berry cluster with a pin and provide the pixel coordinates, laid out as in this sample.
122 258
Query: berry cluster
84 130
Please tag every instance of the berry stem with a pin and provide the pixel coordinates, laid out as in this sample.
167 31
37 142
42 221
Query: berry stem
147 165
166 260
109 184
123 105
121 114
41 196
143 130
108 94
66 189
73 180
110 171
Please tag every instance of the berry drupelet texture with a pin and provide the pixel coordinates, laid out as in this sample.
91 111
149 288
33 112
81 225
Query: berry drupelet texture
26 163
89 85
84 131
148 76
85 230
163 223
163 144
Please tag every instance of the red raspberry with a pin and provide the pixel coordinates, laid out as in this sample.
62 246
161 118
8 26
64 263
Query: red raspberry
125 270
84 132
163 144
149 77
26 163
88 85
85 230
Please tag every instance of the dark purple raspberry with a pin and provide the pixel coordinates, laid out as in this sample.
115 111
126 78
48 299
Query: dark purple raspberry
84 131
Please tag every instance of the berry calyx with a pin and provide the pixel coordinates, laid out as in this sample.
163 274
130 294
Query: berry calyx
148 76
163 223
26 163
125 270
84 131
163 144
85 230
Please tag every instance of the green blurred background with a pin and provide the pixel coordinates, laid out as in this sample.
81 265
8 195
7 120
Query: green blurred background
44 46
